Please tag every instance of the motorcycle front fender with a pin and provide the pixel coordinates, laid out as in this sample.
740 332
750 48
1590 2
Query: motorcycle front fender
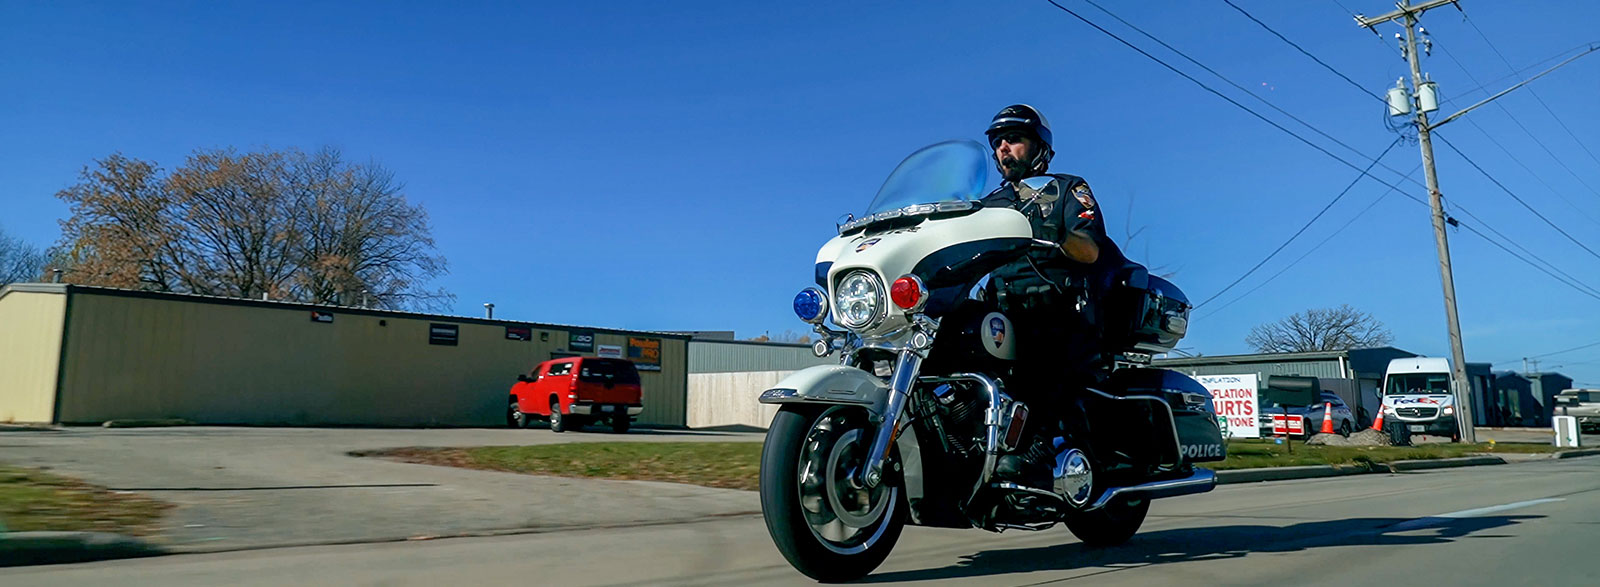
851 386
831 384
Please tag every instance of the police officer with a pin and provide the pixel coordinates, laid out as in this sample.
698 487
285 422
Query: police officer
1022 144
1058 342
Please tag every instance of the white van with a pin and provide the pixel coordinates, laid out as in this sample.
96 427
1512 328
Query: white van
1416 394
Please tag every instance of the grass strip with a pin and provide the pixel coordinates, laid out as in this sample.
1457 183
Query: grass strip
33 500
737 465
732 465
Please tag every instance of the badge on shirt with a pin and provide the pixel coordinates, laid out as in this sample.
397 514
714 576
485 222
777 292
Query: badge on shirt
1084 196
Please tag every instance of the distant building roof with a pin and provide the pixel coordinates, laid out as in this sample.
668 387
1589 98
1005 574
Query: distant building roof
63 288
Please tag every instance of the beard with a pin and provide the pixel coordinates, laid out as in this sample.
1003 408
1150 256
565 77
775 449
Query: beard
1013 169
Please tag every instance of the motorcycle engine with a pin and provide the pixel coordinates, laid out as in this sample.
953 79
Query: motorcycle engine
961 410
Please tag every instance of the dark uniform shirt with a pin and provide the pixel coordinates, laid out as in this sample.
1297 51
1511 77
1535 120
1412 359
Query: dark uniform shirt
1076 210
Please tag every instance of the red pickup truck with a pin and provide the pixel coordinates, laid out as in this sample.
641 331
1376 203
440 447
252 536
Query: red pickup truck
573 391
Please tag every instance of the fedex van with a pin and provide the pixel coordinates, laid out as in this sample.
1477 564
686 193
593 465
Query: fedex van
1417 395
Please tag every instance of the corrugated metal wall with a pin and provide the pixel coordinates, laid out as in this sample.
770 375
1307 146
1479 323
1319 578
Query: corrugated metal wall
665 391
1313 368
241 362
720 356
30 349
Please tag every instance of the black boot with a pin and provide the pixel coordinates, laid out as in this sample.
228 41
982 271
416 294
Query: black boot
1031 466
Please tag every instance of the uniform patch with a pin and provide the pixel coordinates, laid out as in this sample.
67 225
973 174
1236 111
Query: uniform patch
1081 192
1089 214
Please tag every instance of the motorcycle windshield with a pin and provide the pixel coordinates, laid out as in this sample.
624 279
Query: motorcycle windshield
943 172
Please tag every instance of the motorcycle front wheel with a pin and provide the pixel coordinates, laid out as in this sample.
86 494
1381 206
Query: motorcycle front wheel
827 528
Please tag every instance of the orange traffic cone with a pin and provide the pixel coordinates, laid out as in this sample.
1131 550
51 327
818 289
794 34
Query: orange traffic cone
1327 418
1377 423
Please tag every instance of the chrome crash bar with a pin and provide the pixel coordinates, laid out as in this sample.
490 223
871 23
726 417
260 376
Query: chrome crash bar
1201 481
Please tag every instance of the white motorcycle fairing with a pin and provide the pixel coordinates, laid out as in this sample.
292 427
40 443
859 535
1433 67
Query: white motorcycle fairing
895 252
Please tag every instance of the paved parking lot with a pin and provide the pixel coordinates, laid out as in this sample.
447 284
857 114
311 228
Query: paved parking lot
251 487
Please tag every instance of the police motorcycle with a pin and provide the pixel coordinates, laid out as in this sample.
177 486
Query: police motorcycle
908 427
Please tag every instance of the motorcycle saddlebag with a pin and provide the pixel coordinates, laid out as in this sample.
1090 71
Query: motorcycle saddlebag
1199 436
1194 417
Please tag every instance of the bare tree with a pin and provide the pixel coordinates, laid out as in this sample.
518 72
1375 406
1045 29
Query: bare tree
19 261
285 224
361 236
1320 329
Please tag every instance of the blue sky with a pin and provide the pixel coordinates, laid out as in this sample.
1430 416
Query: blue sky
676 165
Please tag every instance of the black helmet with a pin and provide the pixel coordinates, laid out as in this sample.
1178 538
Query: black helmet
1025 118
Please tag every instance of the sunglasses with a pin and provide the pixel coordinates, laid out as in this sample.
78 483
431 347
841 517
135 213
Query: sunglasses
1014 137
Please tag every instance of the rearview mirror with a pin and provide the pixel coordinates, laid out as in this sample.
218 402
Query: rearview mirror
1043 189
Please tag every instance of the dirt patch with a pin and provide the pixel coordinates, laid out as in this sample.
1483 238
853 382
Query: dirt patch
1368 437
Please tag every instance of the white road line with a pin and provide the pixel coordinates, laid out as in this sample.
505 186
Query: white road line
1441 518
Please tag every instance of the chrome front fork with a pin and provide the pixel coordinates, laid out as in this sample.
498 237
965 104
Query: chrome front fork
905 376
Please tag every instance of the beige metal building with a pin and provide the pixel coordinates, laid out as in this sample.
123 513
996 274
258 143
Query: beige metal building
84 355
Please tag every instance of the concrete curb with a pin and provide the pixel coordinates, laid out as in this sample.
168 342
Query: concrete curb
159 423
1287 473
1232 476
1403 466
46 548
1582 452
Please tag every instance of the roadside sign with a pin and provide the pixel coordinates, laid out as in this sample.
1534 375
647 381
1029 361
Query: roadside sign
609 351
1235 399
1288 424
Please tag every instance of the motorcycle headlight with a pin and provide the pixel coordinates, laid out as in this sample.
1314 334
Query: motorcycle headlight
858 300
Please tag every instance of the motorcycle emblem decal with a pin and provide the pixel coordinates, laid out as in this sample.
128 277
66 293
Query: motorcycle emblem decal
868 244
996 333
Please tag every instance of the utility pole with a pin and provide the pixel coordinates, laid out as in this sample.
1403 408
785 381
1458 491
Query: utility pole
1407 14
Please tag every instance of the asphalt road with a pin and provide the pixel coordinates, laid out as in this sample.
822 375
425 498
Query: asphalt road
1533 523
257 487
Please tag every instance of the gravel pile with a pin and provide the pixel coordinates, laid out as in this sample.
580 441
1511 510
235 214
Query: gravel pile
1368 437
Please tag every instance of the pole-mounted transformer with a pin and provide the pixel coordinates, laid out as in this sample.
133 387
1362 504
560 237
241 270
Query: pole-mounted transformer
1399 99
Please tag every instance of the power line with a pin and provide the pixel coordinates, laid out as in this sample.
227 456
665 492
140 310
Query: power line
1576 348
1229 81
1553 190
1375 37
1497 244
1508 152
1302 50
1207 88
1517 198
1525 130
1524 70
1324 151
1308 253
1303 228
1563 277
1530 91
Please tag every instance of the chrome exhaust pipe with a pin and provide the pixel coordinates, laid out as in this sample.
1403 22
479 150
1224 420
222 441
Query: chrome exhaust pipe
1201 481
